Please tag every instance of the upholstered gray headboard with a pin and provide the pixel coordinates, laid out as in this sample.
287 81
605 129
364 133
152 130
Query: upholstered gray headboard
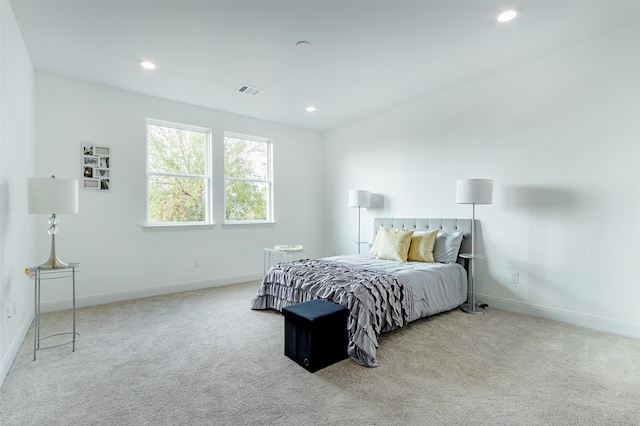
445 225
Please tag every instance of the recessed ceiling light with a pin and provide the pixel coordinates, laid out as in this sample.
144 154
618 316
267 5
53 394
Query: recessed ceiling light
508 15
147 65
310 108
302 45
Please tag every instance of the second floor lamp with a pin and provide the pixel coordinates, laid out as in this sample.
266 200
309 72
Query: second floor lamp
359 198
473 191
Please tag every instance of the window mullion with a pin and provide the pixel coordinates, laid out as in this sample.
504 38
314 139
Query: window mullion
248 180
178 175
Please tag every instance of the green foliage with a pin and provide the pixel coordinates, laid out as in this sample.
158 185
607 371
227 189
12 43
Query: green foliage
176 151
245 200
177 199
178 182
246 175
181 153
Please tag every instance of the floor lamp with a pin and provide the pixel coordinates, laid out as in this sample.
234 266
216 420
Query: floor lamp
359 199
473 191
52 196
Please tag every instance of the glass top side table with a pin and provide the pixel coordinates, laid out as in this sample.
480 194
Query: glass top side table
40 274
266 261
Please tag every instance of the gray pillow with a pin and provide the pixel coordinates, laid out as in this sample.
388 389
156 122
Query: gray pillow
447 247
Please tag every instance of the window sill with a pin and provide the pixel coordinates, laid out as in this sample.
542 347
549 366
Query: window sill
178 227
255 224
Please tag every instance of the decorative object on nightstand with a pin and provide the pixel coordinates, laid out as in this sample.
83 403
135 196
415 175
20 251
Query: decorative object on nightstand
359 199
52 196
473 191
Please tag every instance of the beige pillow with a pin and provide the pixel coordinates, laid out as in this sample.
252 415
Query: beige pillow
422 244
393 245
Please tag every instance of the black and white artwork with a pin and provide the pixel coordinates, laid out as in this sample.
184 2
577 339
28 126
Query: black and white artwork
96 167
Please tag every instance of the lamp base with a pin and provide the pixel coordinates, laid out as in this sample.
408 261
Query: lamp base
470 309
53 263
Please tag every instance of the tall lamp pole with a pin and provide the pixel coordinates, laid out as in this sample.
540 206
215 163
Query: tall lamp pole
359 198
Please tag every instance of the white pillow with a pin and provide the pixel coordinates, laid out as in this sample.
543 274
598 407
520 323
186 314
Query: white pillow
447 247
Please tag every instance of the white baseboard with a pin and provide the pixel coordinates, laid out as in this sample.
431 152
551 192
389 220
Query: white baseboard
100 299
610 325
14 347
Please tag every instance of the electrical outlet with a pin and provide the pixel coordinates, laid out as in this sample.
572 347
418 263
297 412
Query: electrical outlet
8 313
515 278
196 263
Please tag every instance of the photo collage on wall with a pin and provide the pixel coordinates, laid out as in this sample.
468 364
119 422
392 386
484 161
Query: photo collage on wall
96 167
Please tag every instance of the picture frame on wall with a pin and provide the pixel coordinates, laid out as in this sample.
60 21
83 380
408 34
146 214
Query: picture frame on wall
96 167
90 184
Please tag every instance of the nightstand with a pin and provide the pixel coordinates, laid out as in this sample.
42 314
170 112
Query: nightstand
266 261
40 274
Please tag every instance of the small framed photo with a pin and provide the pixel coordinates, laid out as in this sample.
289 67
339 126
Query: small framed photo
91 161
90 183
96 166
101 150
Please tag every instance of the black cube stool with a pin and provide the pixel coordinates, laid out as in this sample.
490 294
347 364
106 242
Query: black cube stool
315 333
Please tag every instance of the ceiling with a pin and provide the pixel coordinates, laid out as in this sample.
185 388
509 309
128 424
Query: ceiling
366 56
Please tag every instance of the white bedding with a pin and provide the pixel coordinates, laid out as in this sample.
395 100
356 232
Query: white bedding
435 287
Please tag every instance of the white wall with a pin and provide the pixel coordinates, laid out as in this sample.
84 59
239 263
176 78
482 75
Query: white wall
17 118
118 259
560 136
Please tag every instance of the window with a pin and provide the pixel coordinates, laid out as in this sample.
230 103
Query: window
247 179
178 173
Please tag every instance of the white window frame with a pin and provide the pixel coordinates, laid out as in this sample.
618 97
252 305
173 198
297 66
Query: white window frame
268 181
208 222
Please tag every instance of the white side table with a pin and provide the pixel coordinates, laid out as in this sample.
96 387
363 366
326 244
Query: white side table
68 271
266 264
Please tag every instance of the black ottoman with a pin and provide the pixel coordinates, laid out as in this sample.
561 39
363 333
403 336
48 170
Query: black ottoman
315 333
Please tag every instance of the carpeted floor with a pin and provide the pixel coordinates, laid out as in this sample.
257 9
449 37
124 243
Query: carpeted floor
205 358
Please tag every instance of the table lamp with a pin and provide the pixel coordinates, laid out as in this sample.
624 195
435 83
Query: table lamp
52 196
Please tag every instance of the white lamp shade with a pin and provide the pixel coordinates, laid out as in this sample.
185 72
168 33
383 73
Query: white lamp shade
474 191
359 198
52 195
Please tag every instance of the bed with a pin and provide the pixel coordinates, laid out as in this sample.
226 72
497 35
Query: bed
396 283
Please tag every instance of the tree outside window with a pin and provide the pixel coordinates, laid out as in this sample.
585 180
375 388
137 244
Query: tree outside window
178 173
247 173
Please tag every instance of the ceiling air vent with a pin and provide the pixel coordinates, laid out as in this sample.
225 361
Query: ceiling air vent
248 90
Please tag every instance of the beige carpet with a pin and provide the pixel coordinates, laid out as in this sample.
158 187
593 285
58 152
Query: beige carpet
204 357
